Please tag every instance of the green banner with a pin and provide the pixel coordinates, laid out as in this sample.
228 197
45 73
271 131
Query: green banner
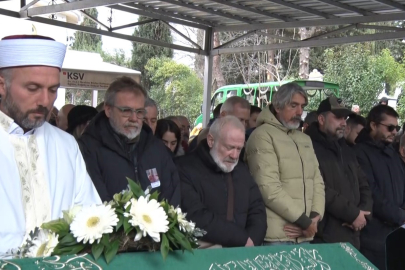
287 257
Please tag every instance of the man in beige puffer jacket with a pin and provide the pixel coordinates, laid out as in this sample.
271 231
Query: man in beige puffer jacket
283 164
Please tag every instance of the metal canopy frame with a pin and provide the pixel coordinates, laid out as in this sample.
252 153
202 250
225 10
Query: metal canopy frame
242 16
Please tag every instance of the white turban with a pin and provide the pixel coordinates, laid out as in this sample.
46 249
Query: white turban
22 51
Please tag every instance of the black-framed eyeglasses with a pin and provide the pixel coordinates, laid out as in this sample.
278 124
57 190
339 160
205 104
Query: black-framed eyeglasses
127 112
391 128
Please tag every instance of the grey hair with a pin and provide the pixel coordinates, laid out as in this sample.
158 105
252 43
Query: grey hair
150 103
220 123
230 103
285 94
123 84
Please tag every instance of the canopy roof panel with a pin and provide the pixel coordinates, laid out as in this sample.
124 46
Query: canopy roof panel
236 12
87 61
254 17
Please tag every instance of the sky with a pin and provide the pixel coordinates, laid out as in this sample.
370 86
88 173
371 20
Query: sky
110 44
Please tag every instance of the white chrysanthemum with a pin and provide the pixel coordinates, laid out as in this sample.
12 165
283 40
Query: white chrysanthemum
92 222
70 214
149 216
43 244
184 224
172 212
181 218
190 227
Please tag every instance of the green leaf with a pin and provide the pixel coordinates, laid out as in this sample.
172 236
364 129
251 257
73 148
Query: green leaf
68 240
164 247
135 188
127 196
119 211
127 226
111 251
172 240
154 195
181 239
172 224
120 222
59 226
68 250
97 250
117 197
105 240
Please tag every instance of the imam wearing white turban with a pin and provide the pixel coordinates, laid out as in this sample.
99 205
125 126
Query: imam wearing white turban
42 171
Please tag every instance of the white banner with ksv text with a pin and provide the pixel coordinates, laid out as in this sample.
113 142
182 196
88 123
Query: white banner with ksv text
90 80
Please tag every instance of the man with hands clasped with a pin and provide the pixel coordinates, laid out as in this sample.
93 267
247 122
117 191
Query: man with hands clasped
283 163
348 199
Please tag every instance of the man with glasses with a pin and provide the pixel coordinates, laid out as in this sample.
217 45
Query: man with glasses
117 145
386 177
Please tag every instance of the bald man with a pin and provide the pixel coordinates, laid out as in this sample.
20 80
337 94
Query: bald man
185 126
61 120
51 119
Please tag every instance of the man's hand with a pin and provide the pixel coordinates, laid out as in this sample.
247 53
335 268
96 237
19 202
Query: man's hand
292 231
316 219
249 243
312 229
360 221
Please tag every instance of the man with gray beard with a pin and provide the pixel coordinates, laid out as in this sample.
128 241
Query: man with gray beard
283 163
117 145
348 196
218 193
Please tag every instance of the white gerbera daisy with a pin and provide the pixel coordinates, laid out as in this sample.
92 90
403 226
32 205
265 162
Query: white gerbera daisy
149 216
43 244
92 222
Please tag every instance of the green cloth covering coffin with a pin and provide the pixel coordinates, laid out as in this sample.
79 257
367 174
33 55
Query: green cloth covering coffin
322 257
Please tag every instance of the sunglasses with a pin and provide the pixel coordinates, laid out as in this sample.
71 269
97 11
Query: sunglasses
391 128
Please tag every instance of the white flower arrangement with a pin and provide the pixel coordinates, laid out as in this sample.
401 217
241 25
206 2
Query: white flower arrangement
134 219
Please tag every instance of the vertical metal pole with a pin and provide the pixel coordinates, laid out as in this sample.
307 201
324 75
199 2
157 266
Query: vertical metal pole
208 62
94 101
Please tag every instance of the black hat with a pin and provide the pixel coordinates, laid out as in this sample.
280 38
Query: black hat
80 114
334 105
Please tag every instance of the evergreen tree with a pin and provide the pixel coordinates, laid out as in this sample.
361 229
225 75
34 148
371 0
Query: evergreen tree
85 41
142 53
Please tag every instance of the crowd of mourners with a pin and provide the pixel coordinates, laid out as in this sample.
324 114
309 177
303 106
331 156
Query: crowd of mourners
252 177
255 176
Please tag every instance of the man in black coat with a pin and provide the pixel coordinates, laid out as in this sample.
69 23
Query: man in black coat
117 145
218 192
386 176
348 196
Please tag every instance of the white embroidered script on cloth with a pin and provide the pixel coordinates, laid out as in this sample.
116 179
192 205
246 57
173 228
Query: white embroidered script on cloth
34 187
